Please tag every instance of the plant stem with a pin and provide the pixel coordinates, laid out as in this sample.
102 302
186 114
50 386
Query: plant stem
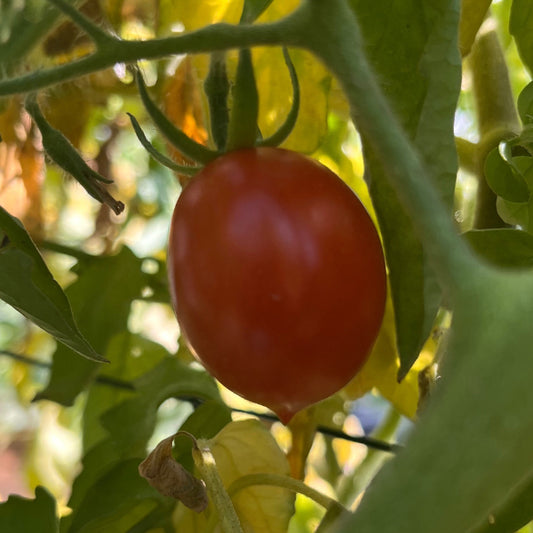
116 383
285 482
217 37
496 112
205 462
332 33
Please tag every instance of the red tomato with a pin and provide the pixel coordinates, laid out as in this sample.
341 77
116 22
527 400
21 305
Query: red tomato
277 277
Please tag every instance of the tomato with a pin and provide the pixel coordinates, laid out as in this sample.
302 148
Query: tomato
277 277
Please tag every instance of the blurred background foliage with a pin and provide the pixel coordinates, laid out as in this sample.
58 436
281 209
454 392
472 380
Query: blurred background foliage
113 266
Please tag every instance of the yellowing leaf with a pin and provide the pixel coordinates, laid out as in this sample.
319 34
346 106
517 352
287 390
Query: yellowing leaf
190 14
381 371
275 96
183 105
246 447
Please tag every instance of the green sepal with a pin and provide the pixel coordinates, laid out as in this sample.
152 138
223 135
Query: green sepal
286 128
157 155
178 139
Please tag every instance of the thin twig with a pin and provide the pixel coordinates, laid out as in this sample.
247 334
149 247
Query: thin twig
101 379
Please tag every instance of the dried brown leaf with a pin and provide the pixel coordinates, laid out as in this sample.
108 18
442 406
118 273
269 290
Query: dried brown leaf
170 478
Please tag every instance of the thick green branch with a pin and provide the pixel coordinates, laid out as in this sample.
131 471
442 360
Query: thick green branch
333 35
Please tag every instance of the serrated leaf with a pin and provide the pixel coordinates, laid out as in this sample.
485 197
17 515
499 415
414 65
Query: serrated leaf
521 27
131 423
503 179
21 515
101 297
241 448
504 247
28 286
412 46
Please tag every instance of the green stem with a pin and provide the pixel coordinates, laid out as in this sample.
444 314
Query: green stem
351 486
467 154
113 382
242 131
285 482
332 33
217 37
205 462
496 112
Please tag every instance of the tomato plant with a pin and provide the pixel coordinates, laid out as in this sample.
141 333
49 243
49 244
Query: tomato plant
277 276
276 271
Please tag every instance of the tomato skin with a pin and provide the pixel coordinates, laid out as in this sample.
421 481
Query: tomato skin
277 277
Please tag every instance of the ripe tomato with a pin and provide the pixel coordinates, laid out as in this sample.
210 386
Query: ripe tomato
277 277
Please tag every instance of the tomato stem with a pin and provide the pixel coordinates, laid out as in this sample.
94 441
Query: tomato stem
289 483
206 464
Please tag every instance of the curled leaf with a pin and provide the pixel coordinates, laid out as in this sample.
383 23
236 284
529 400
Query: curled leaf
169 478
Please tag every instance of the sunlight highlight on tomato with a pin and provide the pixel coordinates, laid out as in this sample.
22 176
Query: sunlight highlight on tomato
277 277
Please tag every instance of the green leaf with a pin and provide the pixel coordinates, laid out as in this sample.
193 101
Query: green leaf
521 27
101 297
519 213
513 514
412 46
504 247
525 104
131 357
115 502
131 423
504 179
515 213
21 515
483 403
473 13
95 464
28 286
